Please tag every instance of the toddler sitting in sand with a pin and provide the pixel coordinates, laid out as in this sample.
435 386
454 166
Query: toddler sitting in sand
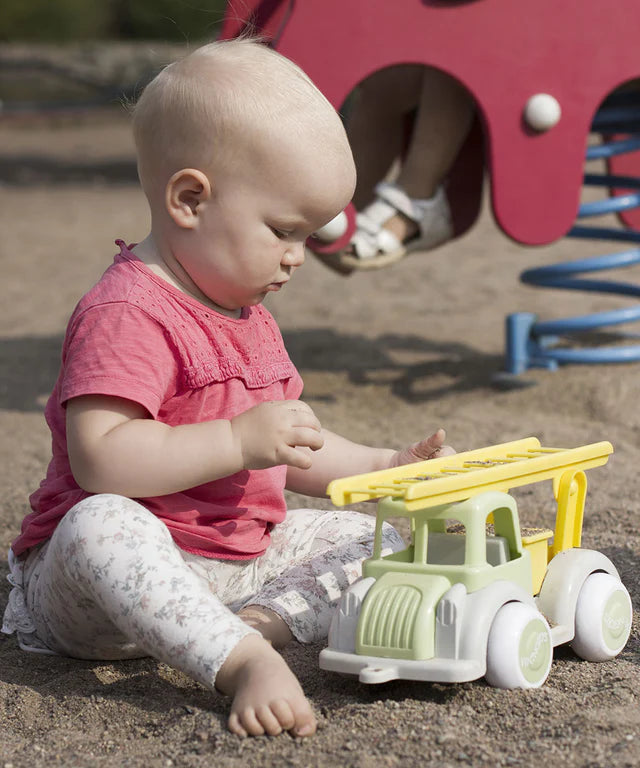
161 528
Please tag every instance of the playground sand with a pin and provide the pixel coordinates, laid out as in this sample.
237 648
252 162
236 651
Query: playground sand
386 357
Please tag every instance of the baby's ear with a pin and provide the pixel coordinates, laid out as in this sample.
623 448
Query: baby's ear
186 191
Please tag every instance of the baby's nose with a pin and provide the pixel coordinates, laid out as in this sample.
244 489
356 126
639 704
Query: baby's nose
294 255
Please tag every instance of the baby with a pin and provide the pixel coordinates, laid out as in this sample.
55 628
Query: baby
160 528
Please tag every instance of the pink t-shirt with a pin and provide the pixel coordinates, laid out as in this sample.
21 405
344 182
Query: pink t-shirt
135 336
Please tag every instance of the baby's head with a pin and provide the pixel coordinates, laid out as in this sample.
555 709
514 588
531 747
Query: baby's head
227 104
241 158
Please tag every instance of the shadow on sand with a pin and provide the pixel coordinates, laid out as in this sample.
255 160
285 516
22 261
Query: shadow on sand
413 368
29 170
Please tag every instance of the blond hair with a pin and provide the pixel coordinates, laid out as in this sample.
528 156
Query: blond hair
208 106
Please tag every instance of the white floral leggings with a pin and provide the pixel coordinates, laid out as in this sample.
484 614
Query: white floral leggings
112 584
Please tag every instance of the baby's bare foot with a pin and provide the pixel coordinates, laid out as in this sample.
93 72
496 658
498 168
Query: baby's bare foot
267 698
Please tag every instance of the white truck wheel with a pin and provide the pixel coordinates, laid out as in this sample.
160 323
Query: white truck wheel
603 618
519 649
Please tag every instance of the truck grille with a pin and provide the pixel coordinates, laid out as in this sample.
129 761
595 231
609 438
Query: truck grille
391 617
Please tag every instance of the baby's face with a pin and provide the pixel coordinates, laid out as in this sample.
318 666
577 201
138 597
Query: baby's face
251 233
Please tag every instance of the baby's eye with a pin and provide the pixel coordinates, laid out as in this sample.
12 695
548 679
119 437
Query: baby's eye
280 233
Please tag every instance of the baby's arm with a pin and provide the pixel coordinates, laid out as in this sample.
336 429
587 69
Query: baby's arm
115 447
339 457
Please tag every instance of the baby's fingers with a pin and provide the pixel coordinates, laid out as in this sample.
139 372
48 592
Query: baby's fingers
308 437
302 416
300 443
295 456
434 442
433 446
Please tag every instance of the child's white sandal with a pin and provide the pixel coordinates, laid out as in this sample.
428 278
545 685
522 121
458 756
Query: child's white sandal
373 247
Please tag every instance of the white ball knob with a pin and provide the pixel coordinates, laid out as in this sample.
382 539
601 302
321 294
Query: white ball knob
334 229
542 112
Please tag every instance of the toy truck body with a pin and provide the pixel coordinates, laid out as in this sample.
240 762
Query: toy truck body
473 595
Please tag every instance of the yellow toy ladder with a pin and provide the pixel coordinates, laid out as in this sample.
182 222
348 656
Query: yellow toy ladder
496 468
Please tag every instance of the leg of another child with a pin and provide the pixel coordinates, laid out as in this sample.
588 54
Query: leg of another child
443 119
406 125
443 115
376 124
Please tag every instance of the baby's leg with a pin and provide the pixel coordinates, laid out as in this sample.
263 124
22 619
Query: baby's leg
112 584
273 628
305 593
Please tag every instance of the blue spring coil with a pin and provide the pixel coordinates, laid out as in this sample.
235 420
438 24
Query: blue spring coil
530 343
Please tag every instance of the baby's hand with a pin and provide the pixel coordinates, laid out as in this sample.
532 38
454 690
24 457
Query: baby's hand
431 447
276 433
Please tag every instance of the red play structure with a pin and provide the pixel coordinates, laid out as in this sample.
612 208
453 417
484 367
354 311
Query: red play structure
539 72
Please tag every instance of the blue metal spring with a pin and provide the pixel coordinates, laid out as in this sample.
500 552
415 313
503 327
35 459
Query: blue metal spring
530 343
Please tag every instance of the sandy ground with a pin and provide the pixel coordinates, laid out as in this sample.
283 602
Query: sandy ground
385 357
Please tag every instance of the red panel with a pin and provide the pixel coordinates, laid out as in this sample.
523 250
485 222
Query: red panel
503 51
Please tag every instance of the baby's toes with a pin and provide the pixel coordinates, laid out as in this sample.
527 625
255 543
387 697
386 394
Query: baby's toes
305 720
235 726
269 720
248 722
284 713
